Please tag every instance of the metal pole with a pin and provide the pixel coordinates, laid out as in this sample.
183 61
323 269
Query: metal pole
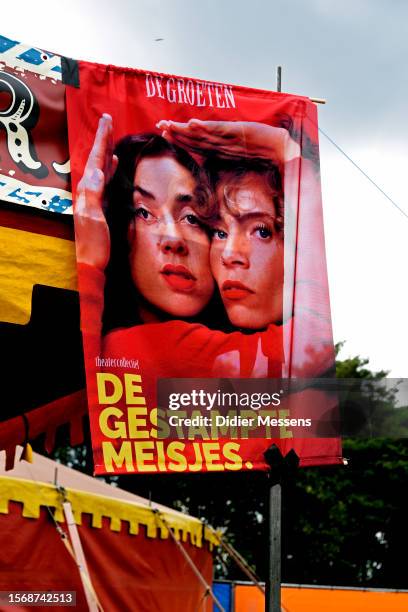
279 86
281 469
273 585
279 79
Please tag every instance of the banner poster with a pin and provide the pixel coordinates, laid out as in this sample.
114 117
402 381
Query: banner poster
34 164
202 272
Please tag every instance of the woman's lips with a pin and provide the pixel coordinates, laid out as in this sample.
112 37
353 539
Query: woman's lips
178 277
234 290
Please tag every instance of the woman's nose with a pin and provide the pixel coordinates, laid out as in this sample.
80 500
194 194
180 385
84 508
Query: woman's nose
235 252
171 239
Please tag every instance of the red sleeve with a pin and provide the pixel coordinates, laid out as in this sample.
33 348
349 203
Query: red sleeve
179 349
91 283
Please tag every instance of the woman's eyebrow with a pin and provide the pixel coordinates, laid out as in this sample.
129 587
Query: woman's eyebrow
253 214
184 197
143 192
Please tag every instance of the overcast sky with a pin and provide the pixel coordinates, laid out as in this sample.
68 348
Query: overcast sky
353 53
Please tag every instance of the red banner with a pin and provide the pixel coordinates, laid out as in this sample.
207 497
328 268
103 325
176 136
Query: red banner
201 255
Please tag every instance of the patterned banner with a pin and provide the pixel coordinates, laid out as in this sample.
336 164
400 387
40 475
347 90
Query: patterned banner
34 160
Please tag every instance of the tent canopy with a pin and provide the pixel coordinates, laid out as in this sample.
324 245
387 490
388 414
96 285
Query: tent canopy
133 561
38 484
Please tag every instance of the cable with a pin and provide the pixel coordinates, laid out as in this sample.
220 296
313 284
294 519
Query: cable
242 564
362 172
207 588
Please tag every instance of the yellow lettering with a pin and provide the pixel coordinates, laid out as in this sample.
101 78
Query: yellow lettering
178 461
211 452
114 459
143 453
119 431
161 458
196 467
101 380
136 424
245 429
158 420
283 432
199 431
132 390
230 451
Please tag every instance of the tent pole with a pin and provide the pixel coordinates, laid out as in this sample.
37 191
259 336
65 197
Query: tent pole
90 594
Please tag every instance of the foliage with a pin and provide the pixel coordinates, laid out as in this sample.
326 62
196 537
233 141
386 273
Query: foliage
352 527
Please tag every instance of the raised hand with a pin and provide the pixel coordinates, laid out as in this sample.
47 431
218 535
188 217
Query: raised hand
232 139
91 229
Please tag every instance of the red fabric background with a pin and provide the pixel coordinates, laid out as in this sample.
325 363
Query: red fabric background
128 572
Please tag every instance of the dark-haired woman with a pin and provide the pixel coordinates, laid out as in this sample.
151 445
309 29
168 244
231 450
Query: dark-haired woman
155 249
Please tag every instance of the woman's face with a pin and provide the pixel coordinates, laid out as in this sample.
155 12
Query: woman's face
247 253
169 254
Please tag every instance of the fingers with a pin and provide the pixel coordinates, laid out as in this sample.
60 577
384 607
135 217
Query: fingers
102 142
89 196
191 135
163 124
230 139
93 194
186 141
177 127
111 161
172 126
114 165
96 181
100 167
